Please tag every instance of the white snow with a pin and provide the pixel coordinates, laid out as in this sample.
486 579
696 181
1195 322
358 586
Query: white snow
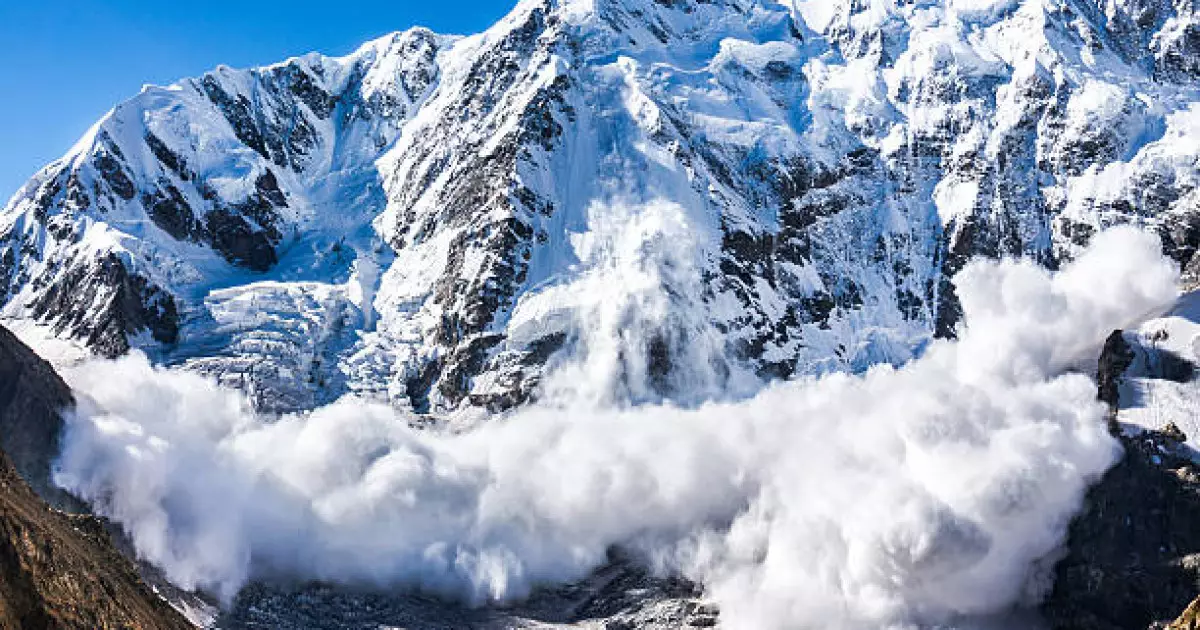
903 497
881 125
1153 403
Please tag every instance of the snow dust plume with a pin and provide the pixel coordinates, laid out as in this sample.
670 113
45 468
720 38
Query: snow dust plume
904 496
634 317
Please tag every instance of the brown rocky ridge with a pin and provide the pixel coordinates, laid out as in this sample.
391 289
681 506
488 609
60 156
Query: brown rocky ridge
57 570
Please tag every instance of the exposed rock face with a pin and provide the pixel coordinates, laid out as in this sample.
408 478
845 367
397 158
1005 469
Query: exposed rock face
620 596
56 570
1189 620
401 222
32 398
1134 553
62 571
1115 358
1133 557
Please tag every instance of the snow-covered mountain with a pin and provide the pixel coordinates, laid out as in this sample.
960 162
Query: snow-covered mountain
759 188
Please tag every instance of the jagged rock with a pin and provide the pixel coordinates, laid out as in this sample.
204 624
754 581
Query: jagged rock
62 571
619 596
1189 619
32 399
1173 433
1133 553
1115 358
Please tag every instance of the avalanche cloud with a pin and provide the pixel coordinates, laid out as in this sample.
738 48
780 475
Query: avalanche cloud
915 495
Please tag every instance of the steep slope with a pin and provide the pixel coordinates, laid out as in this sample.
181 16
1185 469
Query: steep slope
1131 556
32 398
56 570
432 221
62 571
185 190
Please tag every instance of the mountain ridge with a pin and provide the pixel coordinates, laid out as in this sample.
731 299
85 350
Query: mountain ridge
406 222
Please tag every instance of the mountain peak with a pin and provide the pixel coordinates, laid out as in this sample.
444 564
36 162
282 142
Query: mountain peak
405 212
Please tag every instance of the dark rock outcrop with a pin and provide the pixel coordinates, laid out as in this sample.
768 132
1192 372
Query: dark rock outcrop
1134 553
1190 619
621 595
57 570
1133 556
102 303
1114 360
32 396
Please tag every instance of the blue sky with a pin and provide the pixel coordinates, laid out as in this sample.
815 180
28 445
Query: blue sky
64 63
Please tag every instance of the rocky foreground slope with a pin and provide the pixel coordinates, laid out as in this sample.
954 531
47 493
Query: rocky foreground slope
433 220
57 570
32 397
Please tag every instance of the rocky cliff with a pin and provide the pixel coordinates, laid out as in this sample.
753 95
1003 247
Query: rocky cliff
32 399
1133 554
57 570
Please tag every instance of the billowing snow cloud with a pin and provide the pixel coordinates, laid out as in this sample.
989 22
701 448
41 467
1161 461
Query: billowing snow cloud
901 496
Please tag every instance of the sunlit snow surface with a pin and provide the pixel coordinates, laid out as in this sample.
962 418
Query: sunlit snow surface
883 130
728 189
1151 401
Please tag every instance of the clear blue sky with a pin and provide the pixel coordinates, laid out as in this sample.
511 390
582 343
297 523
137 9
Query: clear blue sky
64 63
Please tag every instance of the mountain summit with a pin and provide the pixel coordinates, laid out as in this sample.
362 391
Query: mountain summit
755 189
